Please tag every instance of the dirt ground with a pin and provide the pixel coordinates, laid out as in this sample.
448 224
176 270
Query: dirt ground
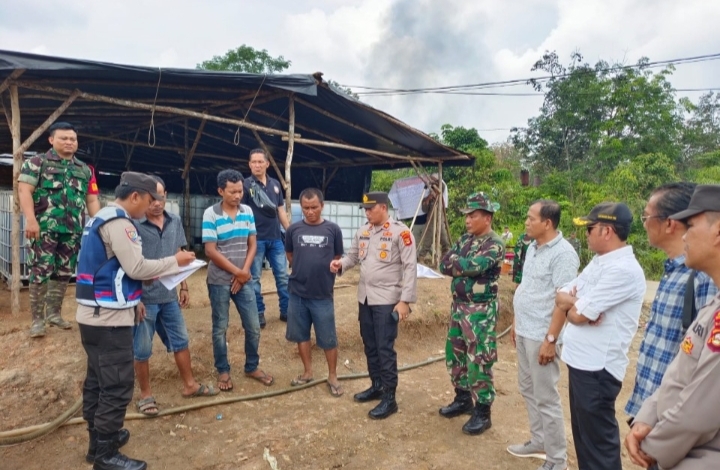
307 429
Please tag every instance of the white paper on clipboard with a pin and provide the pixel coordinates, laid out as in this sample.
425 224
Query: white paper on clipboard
171 282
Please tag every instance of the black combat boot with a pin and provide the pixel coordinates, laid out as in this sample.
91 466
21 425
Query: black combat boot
375 392
107 457
387 406
123 438
462 404
480 420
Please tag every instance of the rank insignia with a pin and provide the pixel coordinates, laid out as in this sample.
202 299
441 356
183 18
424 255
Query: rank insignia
383 254
406 237
386 225
687 345
383 246
387 234
366 233
362 253
362 244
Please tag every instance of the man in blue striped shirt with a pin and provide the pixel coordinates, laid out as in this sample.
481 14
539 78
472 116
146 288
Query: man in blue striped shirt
664 331
228 233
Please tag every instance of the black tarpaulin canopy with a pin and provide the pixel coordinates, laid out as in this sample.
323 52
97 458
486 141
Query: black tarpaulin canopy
193 123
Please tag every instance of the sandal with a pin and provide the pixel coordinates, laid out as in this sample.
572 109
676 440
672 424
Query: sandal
203 391
148 406
227 383
335 390
299 380
264 379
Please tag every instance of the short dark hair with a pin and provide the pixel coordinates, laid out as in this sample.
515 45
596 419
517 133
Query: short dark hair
228 176
259 150
61 126
549 210
622 231
159 180
123 191
309 193
674 198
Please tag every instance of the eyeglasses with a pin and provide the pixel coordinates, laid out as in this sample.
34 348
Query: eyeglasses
645 218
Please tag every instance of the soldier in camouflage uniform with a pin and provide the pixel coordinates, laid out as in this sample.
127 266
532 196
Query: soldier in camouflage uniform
520 251
474 262
54 190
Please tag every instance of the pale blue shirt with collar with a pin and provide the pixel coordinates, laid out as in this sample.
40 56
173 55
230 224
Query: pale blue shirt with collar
612 284
547 268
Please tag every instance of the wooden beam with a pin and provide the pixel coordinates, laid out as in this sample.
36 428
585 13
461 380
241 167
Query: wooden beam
149 107
326 182
288 159
189 156
364 150
6 83
15 227
131 150
270 157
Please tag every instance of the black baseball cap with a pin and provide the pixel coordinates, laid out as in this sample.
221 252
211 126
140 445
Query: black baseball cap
377 197
705 198
612 213
141 182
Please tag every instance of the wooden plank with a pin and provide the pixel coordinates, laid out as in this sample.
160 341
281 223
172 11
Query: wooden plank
288 159
15 228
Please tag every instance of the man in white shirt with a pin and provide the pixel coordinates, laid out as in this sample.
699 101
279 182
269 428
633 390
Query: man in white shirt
550 263
603 307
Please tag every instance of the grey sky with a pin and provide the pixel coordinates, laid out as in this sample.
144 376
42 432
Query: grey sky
398 43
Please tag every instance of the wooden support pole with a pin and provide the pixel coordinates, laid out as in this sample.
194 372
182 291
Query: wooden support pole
326 181
131 150
15 228
186 178
288 159
270 157
189 155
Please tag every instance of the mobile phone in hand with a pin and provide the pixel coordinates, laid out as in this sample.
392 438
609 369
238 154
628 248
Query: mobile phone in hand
395 316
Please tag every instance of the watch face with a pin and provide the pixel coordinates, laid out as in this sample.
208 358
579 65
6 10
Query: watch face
551 338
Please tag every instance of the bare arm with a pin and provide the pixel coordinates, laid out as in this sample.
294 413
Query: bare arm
93 204
289 257
283 217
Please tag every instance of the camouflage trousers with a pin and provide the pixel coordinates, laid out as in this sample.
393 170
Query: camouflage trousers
53 256
471 348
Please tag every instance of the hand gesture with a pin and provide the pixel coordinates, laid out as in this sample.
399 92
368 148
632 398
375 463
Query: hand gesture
140 313
335 266
184 298
633 440
32 229
547 353
184 258
403 310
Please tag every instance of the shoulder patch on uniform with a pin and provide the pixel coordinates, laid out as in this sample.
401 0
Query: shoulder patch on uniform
132 234
406 237
713 342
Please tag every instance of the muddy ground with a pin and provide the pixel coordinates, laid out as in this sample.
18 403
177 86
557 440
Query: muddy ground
307 429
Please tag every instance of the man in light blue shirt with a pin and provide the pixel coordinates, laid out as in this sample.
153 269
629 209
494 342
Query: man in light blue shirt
550 263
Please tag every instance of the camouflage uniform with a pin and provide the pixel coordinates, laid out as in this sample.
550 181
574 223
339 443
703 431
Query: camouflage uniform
61 189
520 251
475 264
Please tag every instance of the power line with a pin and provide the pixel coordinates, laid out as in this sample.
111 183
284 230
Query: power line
379 91
536 94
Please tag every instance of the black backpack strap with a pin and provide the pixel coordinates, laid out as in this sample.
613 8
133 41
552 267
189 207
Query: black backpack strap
689 311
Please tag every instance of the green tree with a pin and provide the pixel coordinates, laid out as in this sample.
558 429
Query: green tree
248 60
701 133
343 89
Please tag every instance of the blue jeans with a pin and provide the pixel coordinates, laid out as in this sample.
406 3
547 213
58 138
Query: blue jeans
244 301
167 319
274 251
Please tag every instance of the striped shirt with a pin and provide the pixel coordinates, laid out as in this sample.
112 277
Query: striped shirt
231 238
664 331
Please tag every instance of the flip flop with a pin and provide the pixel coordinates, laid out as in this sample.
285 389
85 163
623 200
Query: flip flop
264 379
203 391
335 390
299 380
228 383
147 405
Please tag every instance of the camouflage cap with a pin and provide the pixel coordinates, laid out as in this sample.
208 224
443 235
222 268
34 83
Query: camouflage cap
480 201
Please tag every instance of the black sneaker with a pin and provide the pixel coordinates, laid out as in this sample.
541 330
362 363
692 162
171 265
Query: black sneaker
261 316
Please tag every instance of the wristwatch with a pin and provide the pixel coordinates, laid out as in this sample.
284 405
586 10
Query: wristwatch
550 338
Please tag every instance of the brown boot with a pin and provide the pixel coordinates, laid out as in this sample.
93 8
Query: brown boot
55 296
37 309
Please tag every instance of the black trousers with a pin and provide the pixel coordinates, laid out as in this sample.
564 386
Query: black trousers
108 387
378 330
592 415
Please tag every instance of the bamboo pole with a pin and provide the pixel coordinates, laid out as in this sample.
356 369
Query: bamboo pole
363 150
288 159
186 181
15 228
158 109
270 157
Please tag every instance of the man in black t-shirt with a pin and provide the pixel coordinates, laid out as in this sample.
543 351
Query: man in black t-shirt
265 197
311 245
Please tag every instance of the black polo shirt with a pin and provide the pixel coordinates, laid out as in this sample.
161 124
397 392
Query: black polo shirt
268 228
